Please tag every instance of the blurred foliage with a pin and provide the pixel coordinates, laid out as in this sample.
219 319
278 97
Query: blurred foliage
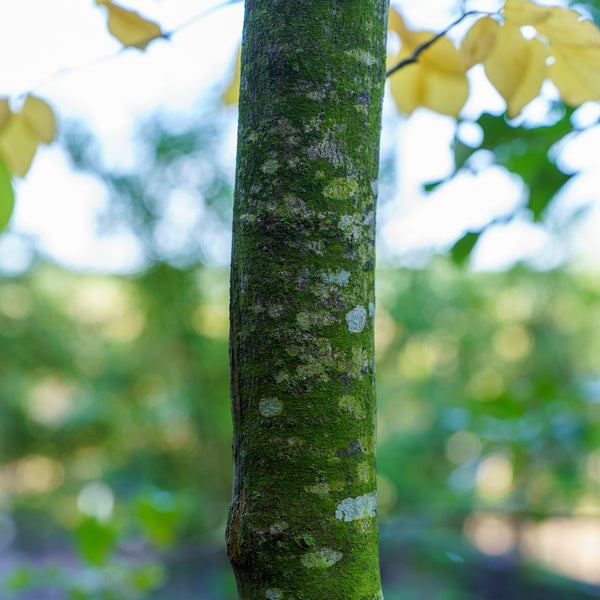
115 428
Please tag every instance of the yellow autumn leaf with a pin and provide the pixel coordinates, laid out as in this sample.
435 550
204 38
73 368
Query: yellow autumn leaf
523 12
232 93
479 41
21 133
4 111
516 67
396 24
574 45
436 81
576 73
131 29
18 143
40 118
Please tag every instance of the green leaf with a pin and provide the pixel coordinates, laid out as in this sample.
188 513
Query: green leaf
19 579
428 187
7 196
158 515
95 541
462 249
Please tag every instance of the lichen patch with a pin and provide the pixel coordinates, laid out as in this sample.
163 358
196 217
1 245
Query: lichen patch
273 594
361 507
340 278
321 559
269 407
356 319
341 187
270 166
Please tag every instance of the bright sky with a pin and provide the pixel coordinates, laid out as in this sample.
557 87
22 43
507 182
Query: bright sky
56 207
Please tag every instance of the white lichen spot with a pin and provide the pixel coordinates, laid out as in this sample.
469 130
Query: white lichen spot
320 174
363 472
363 56
371 309
351 227
362 108
316 95
270 166
341 187
282 377
374 186
321 559
356 319
352 405
340 278
252 136
276 310
315 246
269 407
361 507
273 594
278 527
318 488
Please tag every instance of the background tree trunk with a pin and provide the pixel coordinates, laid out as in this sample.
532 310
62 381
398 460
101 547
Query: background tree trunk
302 523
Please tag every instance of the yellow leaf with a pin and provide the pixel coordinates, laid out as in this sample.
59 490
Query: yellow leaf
523 12
132 30
232 93
4 111
479 41
21 133
18 143
405 86
436 81
516 67
40 118
574 44
396 24
576 73
564 26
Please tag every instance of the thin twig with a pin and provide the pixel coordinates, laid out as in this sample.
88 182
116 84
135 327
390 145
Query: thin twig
415 55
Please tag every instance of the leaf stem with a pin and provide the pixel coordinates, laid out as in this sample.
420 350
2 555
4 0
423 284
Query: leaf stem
415 55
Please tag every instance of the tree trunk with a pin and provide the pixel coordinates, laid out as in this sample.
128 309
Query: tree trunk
302 523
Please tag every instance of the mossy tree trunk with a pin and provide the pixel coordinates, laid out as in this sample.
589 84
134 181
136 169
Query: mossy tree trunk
302 523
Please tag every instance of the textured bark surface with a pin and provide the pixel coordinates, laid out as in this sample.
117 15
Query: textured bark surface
302 523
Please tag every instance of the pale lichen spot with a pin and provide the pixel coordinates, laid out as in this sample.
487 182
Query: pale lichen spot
315 246
374 186
318 488
356 319
278 528
352 509
363 56
362 108
371 309
282 377
340 278
273 594
321 559
252 136
352 405
316 95
270 166
363 472
341 187
276 310
269 407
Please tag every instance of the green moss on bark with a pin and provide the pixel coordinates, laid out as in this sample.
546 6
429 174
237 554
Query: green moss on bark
302 522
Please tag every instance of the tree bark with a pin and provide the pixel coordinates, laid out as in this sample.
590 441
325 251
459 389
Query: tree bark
302 523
